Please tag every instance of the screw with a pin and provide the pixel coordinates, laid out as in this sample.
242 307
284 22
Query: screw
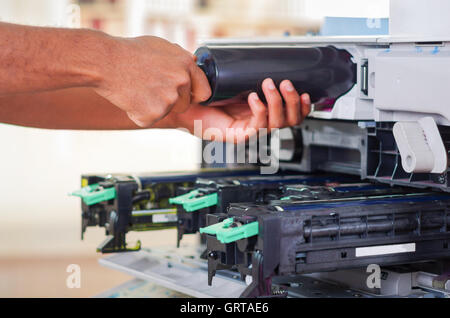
212 255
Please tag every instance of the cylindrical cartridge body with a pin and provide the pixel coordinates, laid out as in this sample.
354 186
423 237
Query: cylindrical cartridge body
324 72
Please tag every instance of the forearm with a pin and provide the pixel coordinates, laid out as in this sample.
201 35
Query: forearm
76 108
34 59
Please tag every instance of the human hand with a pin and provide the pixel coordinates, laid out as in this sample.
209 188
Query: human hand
237 120
148 77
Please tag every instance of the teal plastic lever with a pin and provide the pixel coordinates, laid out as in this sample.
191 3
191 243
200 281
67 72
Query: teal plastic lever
194 200
225 233
93 194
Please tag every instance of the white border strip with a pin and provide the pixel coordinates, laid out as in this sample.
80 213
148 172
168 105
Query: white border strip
385 249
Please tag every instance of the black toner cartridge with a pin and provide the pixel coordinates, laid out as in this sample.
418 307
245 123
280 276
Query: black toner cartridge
323 72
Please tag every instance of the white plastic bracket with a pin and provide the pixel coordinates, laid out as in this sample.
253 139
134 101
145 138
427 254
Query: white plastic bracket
421 147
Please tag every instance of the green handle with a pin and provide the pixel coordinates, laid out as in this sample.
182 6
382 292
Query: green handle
227 234
194 200
93 194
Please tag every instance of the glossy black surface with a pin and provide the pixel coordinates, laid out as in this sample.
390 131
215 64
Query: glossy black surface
324 72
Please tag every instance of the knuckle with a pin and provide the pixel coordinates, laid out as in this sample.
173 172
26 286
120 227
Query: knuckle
261 111
183 80
275 98
139 120
187 59
170 98
140 123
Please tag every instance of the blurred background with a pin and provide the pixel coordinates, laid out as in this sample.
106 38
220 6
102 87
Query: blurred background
39 222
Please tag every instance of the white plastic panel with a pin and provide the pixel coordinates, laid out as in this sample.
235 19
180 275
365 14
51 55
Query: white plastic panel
416 18
413 79
421 146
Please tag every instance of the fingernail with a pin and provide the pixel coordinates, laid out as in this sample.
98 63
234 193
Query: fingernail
271 85
254 96
306 98
289 86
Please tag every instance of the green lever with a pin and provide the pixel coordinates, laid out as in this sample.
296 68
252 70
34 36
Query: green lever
193 201
93 194
183 198
227 234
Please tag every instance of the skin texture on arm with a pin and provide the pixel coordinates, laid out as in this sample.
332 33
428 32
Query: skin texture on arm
83 108
82 79
34 59
73 108
146 77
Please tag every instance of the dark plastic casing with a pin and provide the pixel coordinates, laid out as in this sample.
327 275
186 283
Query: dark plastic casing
324 72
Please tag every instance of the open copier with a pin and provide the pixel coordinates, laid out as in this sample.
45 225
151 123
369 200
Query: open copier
358 204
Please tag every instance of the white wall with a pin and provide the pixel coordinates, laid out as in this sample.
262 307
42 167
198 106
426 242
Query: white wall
36 12
38 168
347 8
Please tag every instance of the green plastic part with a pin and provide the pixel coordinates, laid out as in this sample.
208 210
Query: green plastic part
216 228
93 194
285 198
227 234
193 201
183 198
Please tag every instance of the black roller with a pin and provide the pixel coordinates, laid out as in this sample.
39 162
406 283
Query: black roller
324 72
